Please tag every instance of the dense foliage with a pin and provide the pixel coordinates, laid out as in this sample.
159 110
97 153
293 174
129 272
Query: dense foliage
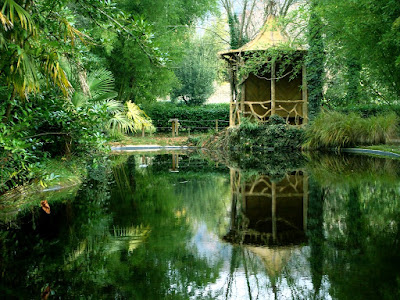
315 62
197 71
362 50
68 70
367 110
197 118
250 137
275 134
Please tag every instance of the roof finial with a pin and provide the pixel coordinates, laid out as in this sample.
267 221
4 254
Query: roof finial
270 8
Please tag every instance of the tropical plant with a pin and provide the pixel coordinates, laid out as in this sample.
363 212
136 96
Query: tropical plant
98 89
49 106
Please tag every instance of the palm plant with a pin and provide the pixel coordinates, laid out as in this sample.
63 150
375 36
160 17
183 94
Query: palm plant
99 89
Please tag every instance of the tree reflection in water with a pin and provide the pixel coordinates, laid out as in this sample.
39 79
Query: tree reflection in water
142 230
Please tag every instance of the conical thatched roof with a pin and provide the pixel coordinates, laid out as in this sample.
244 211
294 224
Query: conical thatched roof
269 36
275 259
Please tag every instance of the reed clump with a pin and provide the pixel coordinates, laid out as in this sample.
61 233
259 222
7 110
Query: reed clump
337 130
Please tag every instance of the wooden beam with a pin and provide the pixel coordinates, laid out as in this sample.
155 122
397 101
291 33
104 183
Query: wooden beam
305 200
231 110
242 96
304 94
273 86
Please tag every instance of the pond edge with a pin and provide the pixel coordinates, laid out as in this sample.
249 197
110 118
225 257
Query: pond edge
370 151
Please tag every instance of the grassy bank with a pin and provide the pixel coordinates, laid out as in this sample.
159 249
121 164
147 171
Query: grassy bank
330 130
161 139
338 130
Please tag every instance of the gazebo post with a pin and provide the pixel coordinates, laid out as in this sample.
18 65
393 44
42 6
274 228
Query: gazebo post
273 210
232 103
305 200
273 81
242 97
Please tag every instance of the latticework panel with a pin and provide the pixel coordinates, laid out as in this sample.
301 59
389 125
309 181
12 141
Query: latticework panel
290 110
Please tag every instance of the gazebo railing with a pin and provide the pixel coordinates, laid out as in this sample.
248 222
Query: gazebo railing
290 110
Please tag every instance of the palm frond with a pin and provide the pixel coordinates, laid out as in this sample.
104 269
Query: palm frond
11 10
54 70
100 81
7 24
120 123
24 73
114 106
71 33
139 117
104 96
78 99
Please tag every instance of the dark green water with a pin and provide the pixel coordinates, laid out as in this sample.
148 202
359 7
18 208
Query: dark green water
179 227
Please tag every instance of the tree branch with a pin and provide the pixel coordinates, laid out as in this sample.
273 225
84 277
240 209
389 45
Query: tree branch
47 133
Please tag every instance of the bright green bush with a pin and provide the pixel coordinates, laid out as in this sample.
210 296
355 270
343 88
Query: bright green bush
197 118
48 127
337 130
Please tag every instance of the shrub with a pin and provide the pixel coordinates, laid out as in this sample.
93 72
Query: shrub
337 130
249 136
198 118
274 134
368 110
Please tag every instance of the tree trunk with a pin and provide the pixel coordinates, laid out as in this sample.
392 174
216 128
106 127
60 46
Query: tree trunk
9 106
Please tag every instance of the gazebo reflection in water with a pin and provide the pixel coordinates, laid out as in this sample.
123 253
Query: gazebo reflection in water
269 216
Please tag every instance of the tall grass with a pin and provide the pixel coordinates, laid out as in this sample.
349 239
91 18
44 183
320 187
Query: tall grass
337 130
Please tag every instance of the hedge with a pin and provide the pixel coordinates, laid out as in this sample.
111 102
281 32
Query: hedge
197 118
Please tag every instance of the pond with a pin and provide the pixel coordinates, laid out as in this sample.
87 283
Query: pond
178 226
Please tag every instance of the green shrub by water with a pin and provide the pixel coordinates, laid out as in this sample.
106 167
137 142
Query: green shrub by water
252 136
337 130
274 134
197 118
368 110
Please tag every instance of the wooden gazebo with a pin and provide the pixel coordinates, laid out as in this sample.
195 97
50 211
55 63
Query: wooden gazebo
259 97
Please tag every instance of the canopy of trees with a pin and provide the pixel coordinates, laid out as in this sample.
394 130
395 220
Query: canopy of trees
68 68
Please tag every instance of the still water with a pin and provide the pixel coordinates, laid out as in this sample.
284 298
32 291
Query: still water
181 227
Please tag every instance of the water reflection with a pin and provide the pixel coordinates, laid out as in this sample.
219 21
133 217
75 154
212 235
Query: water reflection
268 212
136 230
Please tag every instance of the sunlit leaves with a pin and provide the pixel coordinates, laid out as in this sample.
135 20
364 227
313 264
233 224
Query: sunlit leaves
366 30
54 71
12 10
7 24
72 33
23 72
138 116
